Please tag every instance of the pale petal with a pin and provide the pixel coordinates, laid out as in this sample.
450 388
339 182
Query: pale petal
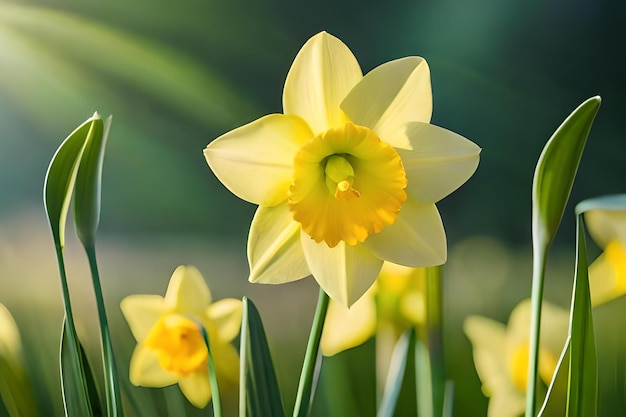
226 363
141 313
507 403
145 370
274 250
344 272
225 314
416 239
390 96
604 283
438 162
488 339
10 341
196 388
606 225
255 161
322 74
554 326
347 328
187 292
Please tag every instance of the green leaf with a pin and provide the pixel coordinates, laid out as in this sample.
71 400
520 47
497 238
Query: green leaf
217 404
80 397
555 403
61 176
556 169
395 375
259 394
89 182
582 396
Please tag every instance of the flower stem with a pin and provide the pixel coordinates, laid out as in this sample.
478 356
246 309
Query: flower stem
114 403
217 405
306 387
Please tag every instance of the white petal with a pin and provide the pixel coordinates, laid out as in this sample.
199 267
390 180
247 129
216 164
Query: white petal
322 74
606 225
438 162
187 292
141 313
226 316
255 161
416 239
145 370
274 250
344 272
390 96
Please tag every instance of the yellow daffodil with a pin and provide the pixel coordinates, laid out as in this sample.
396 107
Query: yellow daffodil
501 354
607 274
170 347
395 302
348 176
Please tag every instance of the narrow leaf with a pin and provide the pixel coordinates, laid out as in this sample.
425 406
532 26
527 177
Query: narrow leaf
89 182
395 376
60 179
259 394
583 375
217 404
79 394
555 402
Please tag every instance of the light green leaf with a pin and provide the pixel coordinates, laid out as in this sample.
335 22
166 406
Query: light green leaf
80 397
259 394
556 169
61 176
395 375
89 182
582 396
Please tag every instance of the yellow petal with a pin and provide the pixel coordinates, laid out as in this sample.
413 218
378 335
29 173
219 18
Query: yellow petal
344 272
187 292
437 163
225 314
606 225
416 239
145 370
390 96
322 74
347 328
488 339
607 274
511 403
274 250
255 161
196 388
226 363
142 312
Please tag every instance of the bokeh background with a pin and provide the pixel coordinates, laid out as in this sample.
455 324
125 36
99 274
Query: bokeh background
175 75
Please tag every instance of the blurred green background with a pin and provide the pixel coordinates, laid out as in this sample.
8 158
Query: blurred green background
175 75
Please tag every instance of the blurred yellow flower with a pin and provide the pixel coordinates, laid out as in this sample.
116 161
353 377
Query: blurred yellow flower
170 347
607 274
501 354
348 176
395 302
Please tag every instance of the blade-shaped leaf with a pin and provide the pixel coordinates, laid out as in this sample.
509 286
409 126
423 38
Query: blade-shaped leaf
582 396
259 394
61 176
556 169
80 396
89 183
555 403
395 375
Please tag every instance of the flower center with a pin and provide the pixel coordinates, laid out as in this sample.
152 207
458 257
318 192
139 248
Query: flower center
347 184
179 345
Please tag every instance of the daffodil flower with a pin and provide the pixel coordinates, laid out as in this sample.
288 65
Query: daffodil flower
348 176
607 274
501 354
170 346
395 302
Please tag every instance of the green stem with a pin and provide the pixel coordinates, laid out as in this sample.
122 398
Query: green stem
217 404
114 404
304 398
539 270
430 370
65 292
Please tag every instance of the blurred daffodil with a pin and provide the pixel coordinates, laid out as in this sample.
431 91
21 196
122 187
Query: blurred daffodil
501 354
348 176
170 346
607 274
395 302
